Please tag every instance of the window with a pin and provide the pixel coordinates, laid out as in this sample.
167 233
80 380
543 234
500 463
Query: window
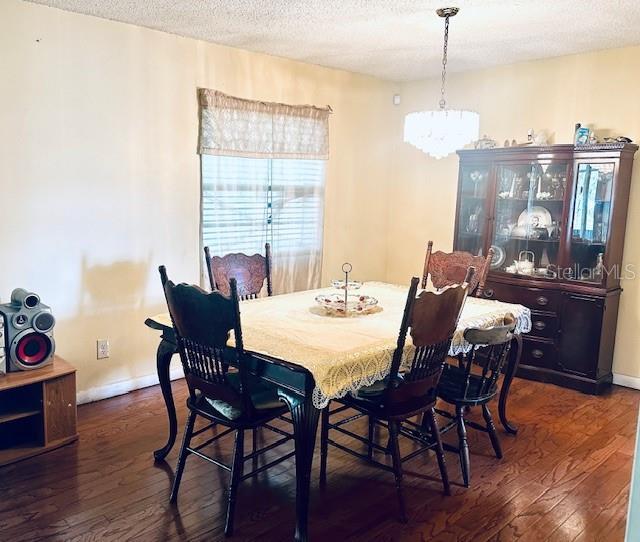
262 166
247 202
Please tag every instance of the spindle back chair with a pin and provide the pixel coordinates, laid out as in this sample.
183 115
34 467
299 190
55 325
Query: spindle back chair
250 272
221 389
410 389
446 269
463 388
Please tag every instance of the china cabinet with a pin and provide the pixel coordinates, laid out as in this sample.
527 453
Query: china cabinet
555 217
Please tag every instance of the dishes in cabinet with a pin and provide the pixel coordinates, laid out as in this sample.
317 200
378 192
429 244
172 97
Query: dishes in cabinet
534 223
499 257
536 216
525 264
545 272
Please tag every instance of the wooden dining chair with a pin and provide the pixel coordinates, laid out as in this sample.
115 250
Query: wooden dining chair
463 388
446 269
250 272
431 319
220 388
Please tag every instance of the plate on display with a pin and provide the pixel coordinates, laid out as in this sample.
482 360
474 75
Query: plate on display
499 256
334 304
351 285
535 217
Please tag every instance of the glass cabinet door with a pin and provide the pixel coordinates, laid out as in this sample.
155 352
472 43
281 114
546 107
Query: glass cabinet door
471 209
590 221
528 217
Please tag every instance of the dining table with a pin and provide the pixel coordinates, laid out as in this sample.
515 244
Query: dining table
312 355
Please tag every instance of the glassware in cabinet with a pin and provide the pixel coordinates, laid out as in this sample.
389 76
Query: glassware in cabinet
527 222
471 220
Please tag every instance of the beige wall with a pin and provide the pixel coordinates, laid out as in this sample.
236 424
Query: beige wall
99 178
599 89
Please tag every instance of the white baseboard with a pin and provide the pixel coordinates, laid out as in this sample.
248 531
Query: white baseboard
120 388
627 381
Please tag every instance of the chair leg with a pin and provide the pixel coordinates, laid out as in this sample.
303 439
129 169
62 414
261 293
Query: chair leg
324 445
435 432
372 426
236 473
186 441
491 428
254 446
425 422
397 467
465 463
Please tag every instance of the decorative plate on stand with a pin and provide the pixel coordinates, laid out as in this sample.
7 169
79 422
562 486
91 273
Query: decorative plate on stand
334 304
351 285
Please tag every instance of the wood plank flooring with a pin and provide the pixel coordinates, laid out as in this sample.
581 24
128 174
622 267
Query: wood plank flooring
564 477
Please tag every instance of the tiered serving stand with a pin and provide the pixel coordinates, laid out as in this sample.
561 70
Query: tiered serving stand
344 303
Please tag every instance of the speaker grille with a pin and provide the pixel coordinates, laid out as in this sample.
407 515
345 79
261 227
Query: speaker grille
33 349
44 321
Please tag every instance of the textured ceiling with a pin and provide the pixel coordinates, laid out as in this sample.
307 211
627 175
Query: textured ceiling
391 39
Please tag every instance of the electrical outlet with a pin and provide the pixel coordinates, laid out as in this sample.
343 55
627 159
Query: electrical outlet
102 348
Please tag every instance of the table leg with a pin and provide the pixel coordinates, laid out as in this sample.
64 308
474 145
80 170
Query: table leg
512 368
305 424
166 349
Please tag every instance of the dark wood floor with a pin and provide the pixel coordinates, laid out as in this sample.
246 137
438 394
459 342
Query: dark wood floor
564 477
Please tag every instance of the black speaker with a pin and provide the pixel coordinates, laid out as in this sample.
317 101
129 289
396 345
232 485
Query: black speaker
26 332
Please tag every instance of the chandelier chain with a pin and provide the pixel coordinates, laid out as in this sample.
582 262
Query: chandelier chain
443 102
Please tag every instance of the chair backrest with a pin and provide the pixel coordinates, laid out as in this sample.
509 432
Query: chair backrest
202 322
490 350
446 269
250 272
431 319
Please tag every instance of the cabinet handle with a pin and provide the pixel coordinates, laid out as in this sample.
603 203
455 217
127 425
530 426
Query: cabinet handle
488 293
542 300
537 353
539 325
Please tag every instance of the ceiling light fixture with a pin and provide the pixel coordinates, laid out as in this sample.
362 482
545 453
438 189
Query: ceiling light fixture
441 132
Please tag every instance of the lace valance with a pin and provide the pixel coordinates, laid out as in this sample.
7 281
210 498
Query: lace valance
237 127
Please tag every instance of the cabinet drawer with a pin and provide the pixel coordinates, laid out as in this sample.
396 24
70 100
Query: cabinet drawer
534 298
539 353
543 325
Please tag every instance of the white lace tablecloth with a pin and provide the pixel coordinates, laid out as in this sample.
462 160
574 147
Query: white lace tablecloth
344 354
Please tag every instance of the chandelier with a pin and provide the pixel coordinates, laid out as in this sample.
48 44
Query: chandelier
441 132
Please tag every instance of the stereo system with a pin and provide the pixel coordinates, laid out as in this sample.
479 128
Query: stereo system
26 333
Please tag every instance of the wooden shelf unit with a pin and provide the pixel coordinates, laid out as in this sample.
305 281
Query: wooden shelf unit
18 414
37 411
